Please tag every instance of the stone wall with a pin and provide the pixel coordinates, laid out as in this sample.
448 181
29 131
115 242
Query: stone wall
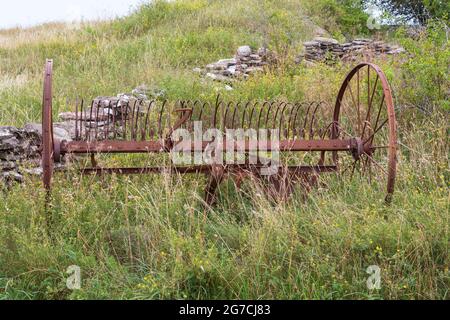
18 146
327 49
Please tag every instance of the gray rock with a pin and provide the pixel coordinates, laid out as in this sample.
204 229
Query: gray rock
6 133
33 171
326 41
217 77
7 165
66 116
227 62
11 176
61 130
311 44
232 69
9 144
216 66
244 51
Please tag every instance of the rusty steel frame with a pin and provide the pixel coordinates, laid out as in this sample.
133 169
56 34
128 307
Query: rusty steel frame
143 136
157 147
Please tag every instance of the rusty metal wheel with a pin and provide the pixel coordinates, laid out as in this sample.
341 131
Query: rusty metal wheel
47 127
365 110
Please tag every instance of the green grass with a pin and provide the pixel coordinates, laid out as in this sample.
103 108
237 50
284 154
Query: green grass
150 237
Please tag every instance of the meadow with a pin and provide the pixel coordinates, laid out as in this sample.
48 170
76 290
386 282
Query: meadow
151 237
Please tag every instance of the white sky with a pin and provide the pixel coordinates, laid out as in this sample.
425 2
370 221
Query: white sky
31 12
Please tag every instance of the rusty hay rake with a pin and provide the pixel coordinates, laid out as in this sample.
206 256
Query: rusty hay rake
358 139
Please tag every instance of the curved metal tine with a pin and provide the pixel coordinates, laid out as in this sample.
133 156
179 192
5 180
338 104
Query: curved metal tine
160 126
193 105
292 106
244 113
313 118
113 110
236 111
143 120
225 116
297 107
106 132
137 122
200 116
80 136
181 104
275 117
219 103
88 132
145 126
275 124
76 116
305 123
132 120
123 119
96 122
252 112
271 104
283 131
196 105
261 111
296 132
328 129
153 105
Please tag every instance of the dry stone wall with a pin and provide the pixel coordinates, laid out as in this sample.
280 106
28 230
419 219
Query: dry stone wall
16 147
327 49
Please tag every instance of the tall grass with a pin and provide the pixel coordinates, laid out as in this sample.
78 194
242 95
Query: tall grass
151 237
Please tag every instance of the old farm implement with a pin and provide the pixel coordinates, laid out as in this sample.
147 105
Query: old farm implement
357 139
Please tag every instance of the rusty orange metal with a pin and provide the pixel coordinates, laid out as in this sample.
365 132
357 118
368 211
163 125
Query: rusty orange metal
360 137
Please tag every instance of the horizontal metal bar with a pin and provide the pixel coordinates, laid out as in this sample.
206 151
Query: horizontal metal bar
282 145
203 169
247 146
112 147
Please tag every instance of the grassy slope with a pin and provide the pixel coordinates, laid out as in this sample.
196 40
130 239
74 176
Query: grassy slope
149 237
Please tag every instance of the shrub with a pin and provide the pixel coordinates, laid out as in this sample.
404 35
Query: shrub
425 80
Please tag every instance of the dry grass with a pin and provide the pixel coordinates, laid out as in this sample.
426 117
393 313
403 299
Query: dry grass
149 237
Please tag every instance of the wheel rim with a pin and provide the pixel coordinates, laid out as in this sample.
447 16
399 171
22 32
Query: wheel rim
47 126
365 110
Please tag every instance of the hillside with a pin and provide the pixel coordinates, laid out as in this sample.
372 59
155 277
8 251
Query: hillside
150 237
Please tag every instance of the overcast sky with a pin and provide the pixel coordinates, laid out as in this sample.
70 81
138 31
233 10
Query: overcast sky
31 12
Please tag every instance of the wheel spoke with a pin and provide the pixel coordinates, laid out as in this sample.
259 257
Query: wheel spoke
368 91
377 164
348 167
353 97
378 115
359 104
370 102
375 132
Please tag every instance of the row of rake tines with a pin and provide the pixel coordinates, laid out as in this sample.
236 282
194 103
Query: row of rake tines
140 120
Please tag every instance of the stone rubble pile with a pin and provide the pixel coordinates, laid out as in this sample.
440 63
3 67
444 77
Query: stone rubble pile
326 49
246 62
